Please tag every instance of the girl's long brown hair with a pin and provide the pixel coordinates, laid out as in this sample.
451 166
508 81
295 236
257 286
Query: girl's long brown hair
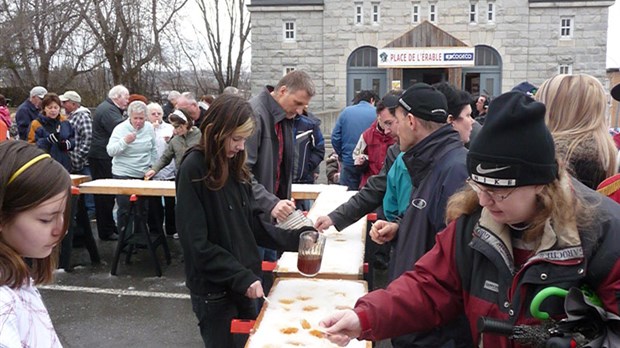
227 114
38 183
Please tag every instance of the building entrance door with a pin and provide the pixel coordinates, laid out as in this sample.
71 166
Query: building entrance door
358 81
484 78
363 74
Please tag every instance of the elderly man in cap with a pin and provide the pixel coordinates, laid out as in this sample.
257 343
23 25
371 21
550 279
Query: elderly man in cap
82 123
29 111
436 160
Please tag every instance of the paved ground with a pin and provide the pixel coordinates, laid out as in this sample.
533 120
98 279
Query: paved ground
91 308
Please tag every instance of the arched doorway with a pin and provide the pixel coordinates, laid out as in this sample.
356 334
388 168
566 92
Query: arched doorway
363 74
486 76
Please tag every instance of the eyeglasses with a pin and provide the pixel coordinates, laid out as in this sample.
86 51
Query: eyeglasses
496 196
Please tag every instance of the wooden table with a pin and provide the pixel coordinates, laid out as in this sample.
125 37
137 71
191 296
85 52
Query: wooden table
296 307
312 191
129 187
77 179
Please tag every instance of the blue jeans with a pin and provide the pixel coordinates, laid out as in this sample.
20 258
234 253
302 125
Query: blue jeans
89 200
124 205
216 311
350 177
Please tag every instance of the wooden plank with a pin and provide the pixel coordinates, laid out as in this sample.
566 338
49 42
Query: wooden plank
129 187
312 191
77 179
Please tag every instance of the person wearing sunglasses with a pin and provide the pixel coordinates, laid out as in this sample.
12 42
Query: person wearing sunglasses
521 225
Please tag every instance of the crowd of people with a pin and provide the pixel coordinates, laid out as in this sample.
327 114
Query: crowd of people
482 202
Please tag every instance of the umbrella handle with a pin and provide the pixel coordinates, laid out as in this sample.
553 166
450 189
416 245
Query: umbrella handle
541 297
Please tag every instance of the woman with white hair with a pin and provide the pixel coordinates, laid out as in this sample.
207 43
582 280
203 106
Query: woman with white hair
133 150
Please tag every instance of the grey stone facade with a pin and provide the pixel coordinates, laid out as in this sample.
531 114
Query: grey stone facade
525 33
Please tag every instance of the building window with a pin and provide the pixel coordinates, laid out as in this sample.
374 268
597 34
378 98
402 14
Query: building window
288 69
375 13
289 31
359 14
565 69
415 13
491 12
473 13
566 28
432 13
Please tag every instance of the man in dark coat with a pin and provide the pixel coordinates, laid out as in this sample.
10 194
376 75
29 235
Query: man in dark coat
28 111
107 115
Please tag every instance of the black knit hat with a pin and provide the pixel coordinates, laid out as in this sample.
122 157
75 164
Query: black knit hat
425 102
615 92
514 148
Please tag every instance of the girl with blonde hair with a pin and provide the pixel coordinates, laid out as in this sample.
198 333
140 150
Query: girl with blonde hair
577 118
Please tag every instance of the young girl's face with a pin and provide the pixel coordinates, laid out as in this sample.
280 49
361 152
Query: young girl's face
52 110
36 231
236 143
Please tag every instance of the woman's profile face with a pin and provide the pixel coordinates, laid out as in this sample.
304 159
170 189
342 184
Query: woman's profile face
518 207
180 129
463 124
35 232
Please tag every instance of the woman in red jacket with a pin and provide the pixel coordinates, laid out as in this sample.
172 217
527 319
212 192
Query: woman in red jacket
520 226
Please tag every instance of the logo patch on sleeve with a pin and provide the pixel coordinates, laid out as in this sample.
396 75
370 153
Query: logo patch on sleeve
489 285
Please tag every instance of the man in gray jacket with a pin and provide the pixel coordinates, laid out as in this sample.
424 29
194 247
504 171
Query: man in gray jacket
271 148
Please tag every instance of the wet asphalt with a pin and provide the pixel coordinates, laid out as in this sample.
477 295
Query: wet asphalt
89 307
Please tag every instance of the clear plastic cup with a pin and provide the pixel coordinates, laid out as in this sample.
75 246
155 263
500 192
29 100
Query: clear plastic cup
310 253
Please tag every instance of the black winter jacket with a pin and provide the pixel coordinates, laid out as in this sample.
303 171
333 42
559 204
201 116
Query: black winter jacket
107 116
220 243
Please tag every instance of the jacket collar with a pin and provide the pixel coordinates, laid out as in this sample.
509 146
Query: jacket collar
419 158
273 107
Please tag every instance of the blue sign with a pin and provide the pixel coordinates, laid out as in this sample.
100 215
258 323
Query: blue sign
459 56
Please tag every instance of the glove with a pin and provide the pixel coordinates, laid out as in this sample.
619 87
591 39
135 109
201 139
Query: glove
64 145
53 138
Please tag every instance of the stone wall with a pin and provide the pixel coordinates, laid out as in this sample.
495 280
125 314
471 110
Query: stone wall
525 34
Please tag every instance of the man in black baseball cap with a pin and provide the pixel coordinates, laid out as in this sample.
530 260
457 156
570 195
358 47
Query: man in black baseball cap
436 161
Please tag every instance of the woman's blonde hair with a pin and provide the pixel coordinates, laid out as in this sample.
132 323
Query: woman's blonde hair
556 202
577 112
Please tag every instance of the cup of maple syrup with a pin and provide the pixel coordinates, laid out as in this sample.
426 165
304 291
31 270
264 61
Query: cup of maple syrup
310 253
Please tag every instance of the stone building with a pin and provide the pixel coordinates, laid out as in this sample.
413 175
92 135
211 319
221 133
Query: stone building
484 46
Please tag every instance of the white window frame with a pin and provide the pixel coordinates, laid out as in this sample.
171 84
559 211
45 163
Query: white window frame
286 31
376 13
358 18
569 28
432 12
473 12
565 69
288 69
415 13
491 12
